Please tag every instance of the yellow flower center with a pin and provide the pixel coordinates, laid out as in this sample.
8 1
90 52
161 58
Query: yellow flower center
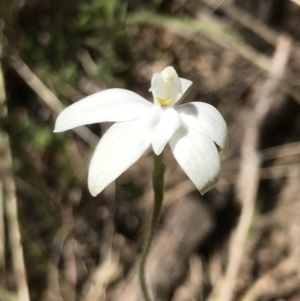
164 102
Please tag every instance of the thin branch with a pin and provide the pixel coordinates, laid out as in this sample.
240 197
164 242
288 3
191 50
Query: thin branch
11 210
282 279
14 231
248 180
296 2
3 110
48 97
2 233
245 19
103 276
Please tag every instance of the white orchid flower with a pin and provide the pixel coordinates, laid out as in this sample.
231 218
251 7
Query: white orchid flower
192 130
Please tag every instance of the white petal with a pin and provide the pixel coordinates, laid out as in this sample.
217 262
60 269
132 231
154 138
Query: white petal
151 118
205 119
223 152
198 157
185 85
120 147
108 105
168 124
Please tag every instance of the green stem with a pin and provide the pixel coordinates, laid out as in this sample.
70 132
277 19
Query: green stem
158 186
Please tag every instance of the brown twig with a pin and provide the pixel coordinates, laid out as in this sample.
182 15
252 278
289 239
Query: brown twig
10 207
103 276
282 279
48 97
57 287
296 2
247 183
192 289
246 19
14 234
91 70
2 233
2 225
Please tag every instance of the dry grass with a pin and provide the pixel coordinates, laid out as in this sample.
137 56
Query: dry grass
80 248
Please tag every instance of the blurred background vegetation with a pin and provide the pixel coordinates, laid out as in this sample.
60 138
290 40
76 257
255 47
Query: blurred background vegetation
243 57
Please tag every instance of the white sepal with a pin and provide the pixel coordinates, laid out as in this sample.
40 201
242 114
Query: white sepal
198 157
205 119
120 147
109 105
